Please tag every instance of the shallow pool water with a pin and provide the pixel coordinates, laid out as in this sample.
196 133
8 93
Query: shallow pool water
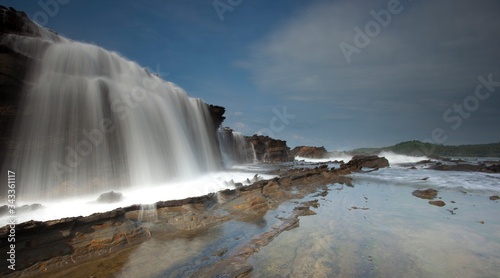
381 230
375 229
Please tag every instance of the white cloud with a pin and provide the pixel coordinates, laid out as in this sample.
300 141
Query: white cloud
427 58
428 48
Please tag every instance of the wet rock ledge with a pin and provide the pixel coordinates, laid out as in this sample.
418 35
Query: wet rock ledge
45 247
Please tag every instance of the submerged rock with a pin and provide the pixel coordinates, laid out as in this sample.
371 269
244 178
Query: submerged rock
438 203
425 194
4 210
494 198
110 197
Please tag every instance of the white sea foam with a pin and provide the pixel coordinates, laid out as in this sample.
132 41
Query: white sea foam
427 178
395 158
339 157
148 194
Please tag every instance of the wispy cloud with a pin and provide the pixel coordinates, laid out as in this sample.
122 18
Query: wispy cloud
427 58
426 48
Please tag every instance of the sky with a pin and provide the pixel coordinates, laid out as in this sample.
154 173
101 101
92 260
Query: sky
340 74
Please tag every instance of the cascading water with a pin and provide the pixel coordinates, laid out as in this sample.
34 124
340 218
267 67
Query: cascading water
93 121
234 147
254 154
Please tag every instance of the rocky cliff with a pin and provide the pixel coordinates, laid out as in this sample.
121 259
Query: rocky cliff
268 149
15 76
14 70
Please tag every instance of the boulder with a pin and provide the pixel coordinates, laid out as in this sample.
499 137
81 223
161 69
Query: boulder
110 197
309 152
425 194
360 161
437 203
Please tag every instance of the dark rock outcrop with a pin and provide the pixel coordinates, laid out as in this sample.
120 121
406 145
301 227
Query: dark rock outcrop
309 152
14 68
465 167
217 114
495 168
268 149
17 22
494 198
360 161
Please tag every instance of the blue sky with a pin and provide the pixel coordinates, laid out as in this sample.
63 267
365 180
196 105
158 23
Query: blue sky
279 67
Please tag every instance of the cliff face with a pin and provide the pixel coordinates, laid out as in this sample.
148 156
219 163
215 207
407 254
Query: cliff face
17 22
15 76
217 114
14 68
268 149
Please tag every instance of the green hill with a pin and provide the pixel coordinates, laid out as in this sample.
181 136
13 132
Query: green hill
417 148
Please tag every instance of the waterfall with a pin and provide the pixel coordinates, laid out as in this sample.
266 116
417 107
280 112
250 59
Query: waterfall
93 121
254 154
234 147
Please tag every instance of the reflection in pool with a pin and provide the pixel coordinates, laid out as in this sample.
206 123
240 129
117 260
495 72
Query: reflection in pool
390 234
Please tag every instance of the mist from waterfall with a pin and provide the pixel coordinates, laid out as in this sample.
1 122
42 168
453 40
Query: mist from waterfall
93 121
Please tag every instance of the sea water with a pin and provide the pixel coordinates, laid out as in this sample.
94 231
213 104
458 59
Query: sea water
379 229
375 229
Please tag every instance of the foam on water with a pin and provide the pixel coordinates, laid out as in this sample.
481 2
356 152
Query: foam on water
399 174
426 178
395 158
340 157
392 157
148 194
